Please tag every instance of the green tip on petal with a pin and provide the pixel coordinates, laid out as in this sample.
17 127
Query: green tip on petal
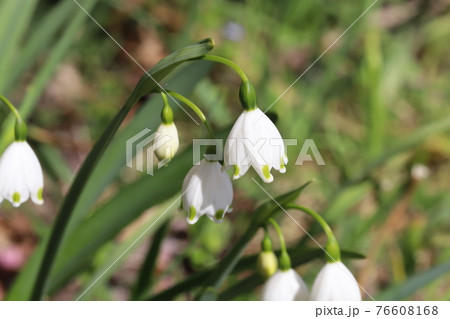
236 171
282 164
266 171
16 197
192 213
39 194
220 214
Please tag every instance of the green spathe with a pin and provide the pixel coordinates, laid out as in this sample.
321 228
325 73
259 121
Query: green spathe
247 96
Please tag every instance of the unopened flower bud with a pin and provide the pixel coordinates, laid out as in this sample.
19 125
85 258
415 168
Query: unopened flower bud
267 264
166 142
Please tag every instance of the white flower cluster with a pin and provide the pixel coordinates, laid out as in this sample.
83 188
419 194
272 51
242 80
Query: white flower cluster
333 283
20 175
253 141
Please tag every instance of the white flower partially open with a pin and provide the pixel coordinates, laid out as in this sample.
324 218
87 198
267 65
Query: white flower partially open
255 141
206 190
20 175
166 142
335 283
285 286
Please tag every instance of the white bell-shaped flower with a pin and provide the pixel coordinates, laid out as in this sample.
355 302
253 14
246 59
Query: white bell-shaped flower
20 175
255 141
285 285
335 283
166 142
206 190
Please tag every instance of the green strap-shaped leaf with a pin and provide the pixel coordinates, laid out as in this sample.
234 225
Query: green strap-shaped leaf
411 285
144 280
146 85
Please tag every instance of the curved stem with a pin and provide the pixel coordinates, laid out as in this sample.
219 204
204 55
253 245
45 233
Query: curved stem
227 62
332 247
164 97
20 128
285 260
194 108
279 232
11 108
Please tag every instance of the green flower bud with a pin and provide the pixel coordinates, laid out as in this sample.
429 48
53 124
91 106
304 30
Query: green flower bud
267 264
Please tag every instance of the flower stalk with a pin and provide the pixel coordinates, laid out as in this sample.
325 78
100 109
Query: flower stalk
284 259
194 108
20 129
231 64
332 247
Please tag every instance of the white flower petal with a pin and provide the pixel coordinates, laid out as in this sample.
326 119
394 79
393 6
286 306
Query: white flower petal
234 152
166 142
285 286
254 140
20 175
206 190
335 283
34 175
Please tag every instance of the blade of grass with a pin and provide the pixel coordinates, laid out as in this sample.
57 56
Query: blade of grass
414 283
39 83
156 224
15 16
144 280
39 40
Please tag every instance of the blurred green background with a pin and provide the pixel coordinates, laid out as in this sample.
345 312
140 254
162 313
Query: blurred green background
376 105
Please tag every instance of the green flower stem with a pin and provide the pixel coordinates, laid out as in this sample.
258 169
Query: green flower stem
285 260
194 108
247 94
227 62
11 107
21 130
332 247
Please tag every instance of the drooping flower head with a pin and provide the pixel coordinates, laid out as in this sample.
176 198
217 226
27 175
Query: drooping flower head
285 285
21 175
254 141
206 190
335 283
166 142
